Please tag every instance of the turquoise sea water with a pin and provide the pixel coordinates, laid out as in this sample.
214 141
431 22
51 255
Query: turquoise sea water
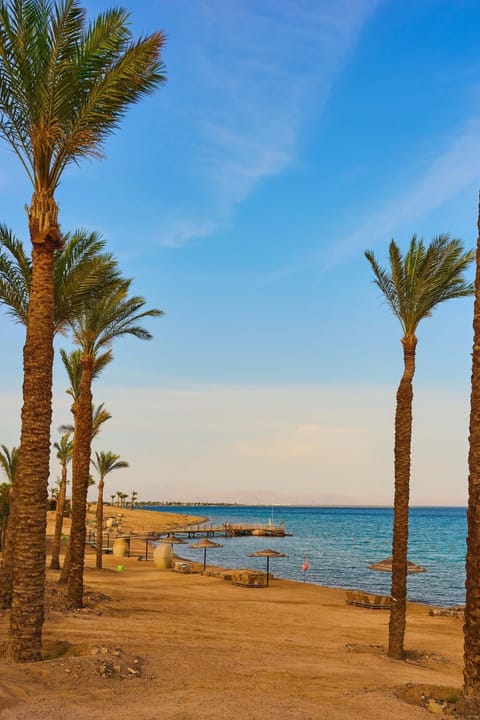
341 542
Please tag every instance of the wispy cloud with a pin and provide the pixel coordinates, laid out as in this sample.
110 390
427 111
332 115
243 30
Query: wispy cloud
450 173
254 90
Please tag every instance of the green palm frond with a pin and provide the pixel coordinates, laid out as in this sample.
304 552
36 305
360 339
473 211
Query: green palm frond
113 315
100 416
422 279
73 365
106 461
65 85
64 448
81 271
15 276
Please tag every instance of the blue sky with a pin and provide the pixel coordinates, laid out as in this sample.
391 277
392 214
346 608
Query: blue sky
291 136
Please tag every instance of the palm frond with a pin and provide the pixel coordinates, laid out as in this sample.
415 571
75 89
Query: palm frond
9 461
422 279
65 85
15 276
106 461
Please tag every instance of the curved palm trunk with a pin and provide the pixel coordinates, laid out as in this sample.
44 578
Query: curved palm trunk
31 492
6 569
403 440
57 537
471 671
99 517
80 475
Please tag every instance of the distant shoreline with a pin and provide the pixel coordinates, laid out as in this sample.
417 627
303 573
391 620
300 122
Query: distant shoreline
149 504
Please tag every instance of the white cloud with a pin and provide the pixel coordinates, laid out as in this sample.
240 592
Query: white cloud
257 68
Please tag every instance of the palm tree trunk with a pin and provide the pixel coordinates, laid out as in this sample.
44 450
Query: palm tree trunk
31 492
80 476
402 452
57 537
6 569
99 539
471 671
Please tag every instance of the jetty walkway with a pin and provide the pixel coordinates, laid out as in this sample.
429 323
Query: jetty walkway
227 529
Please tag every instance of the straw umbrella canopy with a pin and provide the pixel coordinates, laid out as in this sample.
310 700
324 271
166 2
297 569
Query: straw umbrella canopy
206 544
386 566
268 554
172 540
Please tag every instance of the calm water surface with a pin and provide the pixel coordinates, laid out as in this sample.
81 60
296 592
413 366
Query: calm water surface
341 542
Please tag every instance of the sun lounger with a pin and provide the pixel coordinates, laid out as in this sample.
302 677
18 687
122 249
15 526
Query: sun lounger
365 600
184 568
353 597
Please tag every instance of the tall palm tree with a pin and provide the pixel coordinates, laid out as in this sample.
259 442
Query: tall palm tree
64 455
8 462
113 315
4 513
133 498
471 670
64 86
81 270
413 287
104 463
73 366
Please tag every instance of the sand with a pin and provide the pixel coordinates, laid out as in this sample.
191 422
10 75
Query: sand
157 644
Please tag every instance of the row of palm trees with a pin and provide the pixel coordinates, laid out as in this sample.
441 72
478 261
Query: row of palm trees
65 84
94 319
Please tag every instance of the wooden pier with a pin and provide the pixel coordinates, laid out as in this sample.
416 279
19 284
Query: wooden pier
232 530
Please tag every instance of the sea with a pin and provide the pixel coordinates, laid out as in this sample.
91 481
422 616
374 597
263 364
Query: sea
340 543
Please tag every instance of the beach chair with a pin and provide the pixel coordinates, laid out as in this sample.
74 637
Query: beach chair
367 601
352 597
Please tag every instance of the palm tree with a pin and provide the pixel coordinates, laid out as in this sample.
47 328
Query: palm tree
4 511
64 455
113 498
133 498
63 89
414 286
104 463
73 366
8 462
113 315
471 670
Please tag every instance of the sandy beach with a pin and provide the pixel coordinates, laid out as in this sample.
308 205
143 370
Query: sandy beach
158 644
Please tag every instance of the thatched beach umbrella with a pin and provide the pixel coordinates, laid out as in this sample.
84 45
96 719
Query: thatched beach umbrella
268 554
172 540
386 566
206 544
